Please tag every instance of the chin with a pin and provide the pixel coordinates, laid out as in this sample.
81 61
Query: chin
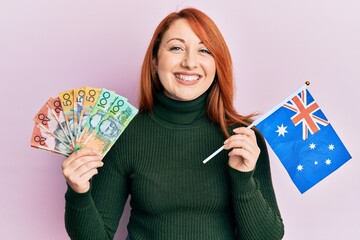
185 95
188 98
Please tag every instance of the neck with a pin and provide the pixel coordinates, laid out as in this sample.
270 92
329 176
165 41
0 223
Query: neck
180 112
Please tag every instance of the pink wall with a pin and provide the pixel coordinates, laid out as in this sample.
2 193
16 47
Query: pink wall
50 46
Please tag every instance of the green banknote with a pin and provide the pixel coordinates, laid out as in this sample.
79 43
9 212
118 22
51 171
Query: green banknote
104 102
111 126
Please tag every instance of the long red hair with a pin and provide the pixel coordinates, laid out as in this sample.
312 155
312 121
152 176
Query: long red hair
220 107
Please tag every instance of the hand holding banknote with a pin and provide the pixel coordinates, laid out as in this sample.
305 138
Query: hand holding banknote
80 167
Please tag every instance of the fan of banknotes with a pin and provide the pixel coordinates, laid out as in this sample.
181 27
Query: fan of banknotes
82 117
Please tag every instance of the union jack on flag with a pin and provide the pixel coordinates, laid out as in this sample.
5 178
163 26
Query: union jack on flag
308 158
305 114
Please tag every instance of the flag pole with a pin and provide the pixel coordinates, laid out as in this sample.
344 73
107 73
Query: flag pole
257 121
221 148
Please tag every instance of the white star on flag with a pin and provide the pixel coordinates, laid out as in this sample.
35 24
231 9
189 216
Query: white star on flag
281 130
331 147
312 146
327 161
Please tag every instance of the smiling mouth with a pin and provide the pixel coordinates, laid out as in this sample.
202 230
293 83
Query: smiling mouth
189 78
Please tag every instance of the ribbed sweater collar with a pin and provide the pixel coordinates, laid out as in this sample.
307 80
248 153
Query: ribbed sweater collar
180 112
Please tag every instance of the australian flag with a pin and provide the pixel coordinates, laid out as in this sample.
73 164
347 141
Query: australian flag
303 139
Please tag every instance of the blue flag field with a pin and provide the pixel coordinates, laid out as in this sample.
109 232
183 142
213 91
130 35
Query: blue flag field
303 139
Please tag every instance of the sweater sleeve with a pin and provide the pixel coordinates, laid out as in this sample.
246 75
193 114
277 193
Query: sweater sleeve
96 213
257 214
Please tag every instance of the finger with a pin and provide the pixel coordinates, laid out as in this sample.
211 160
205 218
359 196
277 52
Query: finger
88 175
75 164
240 160
84 168
88 167
78 154
243 142
245 131
239 141
240 152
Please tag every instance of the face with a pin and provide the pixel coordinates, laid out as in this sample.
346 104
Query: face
184 65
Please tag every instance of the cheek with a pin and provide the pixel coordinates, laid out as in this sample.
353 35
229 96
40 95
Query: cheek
165 80
210 67
211 76
163 70
213 68
165 61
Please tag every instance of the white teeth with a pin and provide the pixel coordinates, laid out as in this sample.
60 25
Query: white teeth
187 77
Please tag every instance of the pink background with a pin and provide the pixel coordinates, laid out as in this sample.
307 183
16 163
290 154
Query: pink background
50 46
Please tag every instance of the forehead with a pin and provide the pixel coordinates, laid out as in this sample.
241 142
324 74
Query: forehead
180 28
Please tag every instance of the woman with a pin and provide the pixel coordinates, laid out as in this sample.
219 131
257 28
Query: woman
185 112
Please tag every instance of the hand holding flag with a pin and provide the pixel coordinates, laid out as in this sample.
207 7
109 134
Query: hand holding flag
308 158
244 149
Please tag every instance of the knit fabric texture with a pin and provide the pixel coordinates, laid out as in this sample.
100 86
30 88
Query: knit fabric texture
157 161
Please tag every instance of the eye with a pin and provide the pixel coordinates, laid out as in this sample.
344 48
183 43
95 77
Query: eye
205 51
175 49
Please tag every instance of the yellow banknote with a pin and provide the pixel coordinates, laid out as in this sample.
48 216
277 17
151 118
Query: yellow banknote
79 94
89 101
67 103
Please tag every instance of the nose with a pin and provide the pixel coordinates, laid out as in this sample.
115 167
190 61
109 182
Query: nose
190 60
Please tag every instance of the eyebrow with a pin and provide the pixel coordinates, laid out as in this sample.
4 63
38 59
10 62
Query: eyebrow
181 40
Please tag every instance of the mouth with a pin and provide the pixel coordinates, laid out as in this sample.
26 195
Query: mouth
187 77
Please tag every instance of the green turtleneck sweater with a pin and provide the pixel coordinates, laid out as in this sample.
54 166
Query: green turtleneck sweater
174 195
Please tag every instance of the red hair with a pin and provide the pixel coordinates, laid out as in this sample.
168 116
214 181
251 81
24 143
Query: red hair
220 107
